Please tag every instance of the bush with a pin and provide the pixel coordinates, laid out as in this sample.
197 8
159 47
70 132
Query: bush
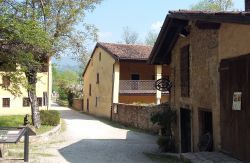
50 117
70 98
165 119
62 93
166 144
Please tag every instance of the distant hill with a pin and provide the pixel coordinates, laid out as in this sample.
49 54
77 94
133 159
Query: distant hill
66 63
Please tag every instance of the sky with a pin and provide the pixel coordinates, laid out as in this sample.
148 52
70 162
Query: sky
141 16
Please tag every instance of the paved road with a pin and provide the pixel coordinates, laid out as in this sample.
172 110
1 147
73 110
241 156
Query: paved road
90 140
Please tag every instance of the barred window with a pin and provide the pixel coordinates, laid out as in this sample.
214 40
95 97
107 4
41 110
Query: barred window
6 102
40 101
185 72
26 102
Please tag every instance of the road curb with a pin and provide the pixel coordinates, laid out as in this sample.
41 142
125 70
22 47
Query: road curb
46 136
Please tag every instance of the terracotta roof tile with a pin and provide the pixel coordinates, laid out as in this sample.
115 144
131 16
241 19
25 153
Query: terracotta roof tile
127 52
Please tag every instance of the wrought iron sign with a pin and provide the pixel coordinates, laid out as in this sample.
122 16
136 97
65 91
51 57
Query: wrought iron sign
163 84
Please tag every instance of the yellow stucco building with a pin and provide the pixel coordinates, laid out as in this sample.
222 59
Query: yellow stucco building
19 105
118 73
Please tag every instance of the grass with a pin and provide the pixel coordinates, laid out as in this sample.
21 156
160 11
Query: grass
11 121
165 158
17 121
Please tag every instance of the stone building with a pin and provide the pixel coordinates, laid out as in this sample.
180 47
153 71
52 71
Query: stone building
208 54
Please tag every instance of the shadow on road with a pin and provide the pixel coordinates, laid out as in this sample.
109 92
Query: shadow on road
109 150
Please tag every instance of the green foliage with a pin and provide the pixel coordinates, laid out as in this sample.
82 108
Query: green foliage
50 117
213 5
70 98
63 78
166 144
11 121
65 84
62 93
165 119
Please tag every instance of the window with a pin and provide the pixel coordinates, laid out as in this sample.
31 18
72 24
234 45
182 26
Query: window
90 90
135 77
96 101
100 56
184 71
40 101
6 81
97 78
26 102
6 102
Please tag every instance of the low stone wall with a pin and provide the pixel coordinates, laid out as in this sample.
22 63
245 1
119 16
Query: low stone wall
77 104
135 116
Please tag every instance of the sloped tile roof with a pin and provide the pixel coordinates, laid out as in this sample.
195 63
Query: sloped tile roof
127 51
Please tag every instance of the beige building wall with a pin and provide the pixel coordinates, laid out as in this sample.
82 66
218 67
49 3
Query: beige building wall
234 40
101 92
16 103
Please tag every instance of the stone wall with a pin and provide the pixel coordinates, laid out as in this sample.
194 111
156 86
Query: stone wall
77 104
135 116
204 82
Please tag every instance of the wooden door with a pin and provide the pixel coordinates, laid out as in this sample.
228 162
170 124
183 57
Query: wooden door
185 130
235 132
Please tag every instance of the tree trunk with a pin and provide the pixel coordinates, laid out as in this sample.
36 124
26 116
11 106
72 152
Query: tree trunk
31 75
34 108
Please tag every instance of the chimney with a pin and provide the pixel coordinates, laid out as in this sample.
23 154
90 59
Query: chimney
247 5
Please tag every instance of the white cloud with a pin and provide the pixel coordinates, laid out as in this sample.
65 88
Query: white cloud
157 25
105 36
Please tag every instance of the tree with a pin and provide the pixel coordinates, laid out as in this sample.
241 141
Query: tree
213 5
129 36
52 24
151 38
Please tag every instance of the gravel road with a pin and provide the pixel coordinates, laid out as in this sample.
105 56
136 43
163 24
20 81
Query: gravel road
88 140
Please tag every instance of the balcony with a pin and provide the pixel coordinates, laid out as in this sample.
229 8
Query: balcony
137 86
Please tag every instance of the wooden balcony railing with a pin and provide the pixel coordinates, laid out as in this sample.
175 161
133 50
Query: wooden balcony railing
137 86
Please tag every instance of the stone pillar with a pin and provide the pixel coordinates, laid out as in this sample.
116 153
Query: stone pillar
116 78
158 74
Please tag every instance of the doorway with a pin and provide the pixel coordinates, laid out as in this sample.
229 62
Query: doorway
185 130
206 130
135 82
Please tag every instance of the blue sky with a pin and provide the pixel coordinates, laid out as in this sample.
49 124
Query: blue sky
142 16
139 15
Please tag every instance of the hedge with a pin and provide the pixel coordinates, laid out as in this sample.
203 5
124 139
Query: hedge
50 117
